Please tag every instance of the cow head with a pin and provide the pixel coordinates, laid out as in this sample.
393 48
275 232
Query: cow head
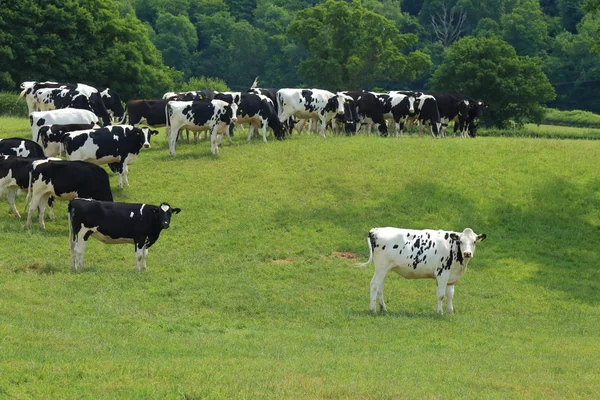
233 107
467 241
164 212
145 134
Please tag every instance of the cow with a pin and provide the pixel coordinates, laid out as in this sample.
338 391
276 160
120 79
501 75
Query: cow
475 109
369 110
65 116
200 115
452 108
20 148
427 113
417 254
29 88
149 112
78 96
190 95
259 111
310 103
115 145
64 180
347 122
397 107
116 223
49 136
14 176
112 102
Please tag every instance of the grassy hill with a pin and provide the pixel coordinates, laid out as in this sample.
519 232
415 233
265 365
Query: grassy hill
252 292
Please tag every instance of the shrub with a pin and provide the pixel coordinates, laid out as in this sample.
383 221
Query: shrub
579 118
11 104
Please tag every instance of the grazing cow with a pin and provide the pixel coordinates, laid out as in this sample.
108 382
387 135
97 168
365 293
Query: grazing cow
116 223
65 116
427 113
259 111
417 254
310 103
64 180
397 107
112 102
20 148
14 175
115 145
78 96
199 115
149 112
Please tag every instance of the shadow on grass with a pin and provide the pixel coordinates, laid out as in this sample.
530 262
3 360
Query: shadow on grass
555 230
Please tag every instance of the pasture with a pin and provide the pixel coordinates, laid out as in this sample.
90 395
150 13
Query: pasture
253 291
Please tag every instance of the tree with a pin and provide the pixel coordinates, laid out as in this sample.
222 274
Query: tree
79 41
351 47
525 28
177 39
570 12
488 68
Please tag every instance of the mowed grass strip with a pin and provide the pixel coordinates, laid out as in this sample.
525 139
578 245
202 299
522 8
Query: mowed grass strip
253 291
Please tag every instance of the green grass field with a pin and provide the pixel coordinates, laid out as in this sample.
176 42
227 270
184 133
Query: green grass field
253 294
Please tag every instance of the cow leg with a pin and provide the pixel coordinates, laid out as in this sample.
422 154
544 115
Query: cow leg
12 192
120 169
213 141
42 208
172 143
250 132
442 283
139 256
449 297
377 290
33 205
263 128
144 259
78 248
51 208
323 126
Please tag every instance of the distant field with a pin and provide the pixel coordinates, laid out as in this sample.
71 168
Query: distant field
252 292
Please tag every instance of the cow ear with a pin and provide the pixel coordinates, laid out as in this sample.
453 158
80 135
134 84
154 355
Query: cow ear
176 210
453 236
481 237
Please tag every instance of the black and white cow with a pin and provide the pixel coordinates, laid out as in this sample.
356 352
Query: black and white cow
397 107
369 110
149 112
428 114
28 90
190 95
64 180
116 223
20 148
200 115
259 111
50 136
65 116
115 145
476 108
14 176
452 109
417 254
112 102
349 121
78 96
310 103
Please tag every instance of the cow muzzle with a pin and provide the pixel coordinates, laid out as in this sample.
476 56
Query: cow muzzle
411 110
234 119
146 145
467 254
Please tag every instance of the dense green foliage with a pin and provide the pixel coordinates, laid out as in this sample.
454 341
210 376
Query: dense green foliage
248 293
578 118
10 104
143 48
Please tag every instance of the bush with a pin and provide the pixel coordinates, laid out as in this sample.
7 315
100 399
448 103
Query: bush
579 118
11 104
204 83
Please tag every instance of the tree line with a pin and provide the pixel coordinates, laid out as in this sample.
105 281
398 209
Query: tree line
515 54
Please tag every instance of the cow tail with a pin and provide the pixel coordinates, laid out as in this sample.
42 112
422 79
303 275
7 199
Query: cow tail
371 244
22 94
125 116
70 222
29 187
168 121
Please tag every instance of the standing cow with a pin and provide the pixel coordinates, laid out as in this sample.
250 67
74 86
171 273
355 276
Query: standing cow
310 103
200 115
114 223
67 116
417 254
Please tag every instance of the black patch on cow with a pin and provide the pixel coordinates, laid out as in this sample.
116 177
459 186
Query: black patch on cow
307 95
87 235
40 122
372 240
383 248
395 246
446 236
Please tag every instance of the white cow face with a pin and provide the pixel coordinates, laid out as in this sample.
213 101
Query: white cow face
234 108
164 214
146 133
468 240
341 100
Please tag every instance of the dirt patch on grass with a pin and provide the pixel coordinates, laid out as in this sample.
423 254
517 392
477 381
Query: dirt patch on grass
281 261
37 267
346 255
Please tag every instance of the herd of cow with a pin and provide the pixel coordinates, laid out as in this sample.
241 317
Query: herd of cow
77 119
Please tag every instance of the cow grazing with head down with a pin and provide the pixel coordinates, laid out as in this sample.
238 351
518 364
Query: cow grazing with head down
67 116
259 111
114 223
112 102
417 254
115 145
310 103
200 115
20 148
64 180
